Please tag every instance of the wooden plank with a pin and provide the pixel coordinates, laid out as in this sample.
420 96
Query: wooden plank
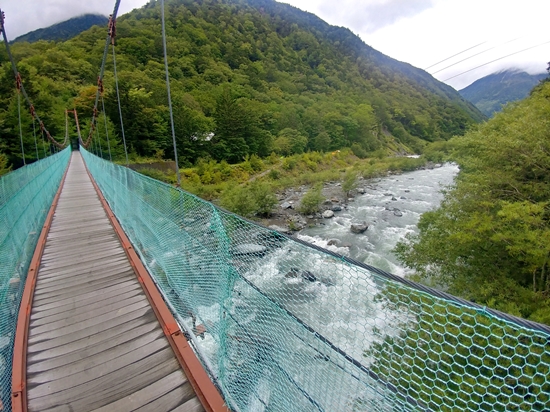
40 344
74 364
117 334
192 405
66 327
76 270
64 289
85 298
67 318
171 400
119 389
78 309
120 383
148 394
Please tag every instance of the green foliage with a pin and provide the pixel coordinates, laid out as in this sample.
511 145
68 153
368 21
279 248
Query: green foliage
255 199
312 200
490 240
350 181
4 168
64 30
289 83
454 358
157 174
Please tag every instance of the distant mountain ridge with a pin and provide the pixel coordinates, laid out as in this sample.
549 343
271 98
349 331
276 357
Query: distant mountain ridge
491 92
64 30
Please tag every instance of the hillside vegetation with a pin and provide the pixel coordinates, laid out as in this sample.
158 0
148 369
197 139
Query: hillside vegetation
248 78
64 30
490 240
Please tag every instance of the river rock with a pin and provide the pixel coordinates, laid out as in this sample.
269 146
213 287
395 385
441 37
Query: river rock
249 249
403 198
336 208
333 242
361 191
304 274
393 198
407 191
286 205
398 213
359 227
335 200
327 214
297 222
280 229
388 194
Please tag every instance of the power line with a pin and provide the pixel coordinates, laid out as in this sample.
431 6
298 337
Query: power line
454 55
500 58
474 55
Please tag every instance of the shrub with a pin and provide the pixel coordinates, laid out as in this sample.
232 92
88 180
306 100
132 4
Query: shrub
312 200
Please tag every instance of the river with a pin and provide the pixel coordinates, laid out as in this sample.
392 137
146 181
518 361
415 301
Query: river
391 206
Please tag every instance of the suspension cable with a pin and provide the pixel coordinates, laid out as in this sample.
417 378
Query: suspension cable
99 142
106 129
20 127
34 135
168 90
101 72
19 81
119 106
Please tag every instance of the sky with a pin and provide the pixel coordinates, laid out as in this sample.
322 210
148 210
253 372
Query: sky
457 41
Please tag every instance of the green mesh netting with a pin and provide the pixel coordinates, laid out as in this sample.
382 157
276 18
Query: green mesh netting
284 326
26 195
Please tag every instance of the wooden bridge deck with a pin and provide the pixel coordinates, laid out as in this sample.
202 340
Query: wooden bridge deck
94 342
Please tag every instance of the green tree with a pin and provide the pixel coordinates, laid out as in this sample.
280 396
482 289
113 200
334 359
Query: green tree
490 239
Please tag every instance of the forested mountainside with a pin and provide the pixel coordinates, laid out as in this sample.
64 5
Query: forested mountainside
248 77
490 240
490 93
64 30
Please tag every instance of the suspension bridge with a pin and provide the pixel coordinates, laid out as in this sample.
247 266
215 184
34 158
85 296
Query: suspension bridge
119 292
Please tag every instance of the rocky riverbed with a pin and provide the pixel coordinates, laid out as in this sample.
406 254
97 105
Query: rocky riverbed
368 224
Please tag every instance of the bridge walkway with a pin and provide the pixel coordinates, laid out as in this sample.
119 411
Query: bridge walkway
94 342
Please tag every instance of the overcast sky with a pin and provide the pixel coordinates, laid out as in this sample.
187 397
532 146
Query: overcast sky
420 32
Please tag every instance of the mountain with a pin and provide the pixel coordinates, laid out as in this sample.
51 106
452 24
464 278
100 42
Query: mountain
64 30
491 92
248 78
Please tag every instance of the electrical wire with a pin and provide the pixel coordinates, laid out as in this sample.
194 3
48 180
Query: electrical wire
495 60
454 55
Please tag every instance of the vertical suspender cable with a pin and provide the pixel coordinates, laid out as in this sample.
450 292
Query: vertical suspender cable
34 134
119 107
99 142
106 129
20 128
168 89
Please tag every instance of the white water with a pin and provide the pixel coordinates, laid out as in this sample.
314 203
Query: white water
416 192
265 347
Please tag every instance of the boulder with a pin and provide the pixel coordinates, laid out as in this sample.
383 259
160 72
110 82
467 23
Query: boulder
398 213
361 191
333 242
393 198
280 229
327 214
359 228
336 208
286 205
